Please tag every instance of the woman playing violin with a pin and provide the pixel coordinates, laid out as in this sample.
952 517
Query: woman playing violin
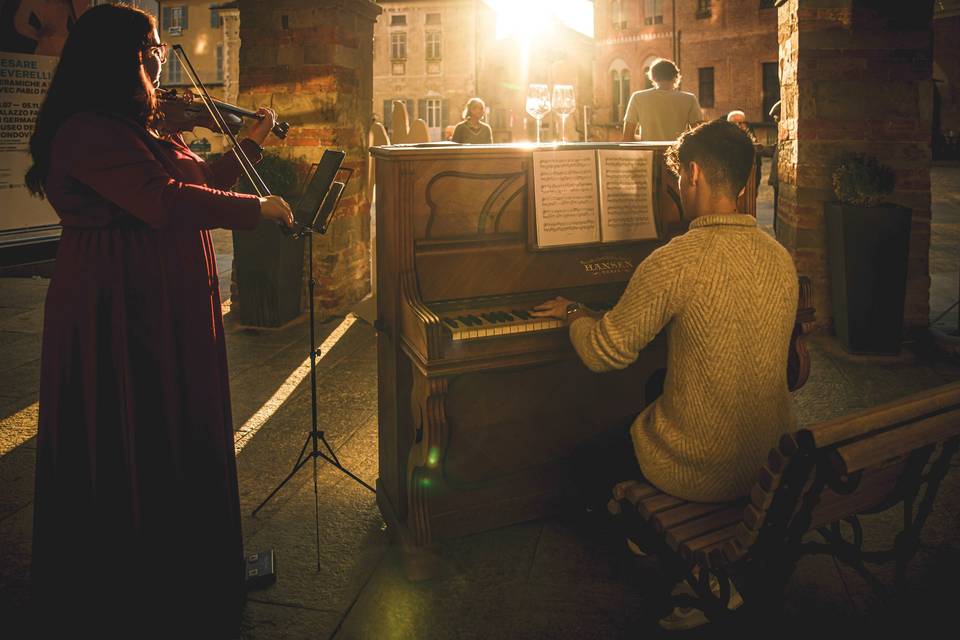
136 513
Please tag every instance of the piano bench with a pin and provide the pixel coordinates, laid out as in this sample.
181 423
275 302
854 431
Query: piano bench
817 482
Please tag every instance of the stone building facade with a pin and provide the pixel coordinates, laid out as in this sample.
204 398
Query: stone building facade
426 54
312 61
200 27
726 51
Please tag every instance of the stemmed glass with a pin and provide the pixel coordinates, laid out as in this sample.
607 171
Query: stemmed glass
563 105
538 104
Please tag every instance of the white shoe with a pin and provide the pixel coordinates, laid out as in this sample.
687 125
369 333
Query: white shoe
683 618
635 549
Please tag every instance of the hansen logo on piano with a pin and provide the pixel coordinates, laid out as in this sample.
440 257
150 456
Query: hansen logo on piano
607 265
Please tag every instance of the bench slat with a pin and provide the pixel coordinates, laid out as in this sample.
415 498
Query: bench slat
655 504
863 422
760 499
685 513
703 526
691 547
633 491
882 446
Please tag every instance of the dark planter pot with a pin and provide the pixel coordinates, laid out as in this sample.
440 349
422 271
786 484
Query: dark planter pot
269 271
867 251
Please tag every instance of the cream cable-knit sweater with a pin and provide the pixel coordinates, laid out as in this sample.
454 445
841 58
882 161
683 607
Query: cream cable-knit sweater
727 294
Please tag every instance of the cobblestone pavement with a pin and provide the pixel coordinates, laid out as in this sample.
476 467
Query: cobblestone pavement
552 578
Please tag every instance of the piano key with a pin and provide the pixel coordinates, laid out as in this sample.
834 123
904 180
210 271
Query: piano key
450 322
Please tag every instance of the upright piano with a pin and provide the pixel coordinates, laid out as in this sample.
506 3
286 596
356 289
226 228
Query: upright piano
481 406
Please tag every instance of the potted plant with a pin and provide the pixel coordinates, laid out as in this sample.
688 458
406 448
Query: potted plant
268 265
868 243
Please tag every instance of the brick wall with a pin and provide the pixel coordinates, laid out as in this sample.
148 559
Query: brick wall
311 60
854 79
946 35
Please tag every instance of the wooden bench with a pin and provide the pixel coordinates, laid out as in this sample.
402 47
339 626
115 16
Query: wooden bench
816 479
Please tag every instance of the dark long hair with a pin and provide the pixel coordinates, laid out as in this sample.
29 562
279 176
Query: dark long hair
99 70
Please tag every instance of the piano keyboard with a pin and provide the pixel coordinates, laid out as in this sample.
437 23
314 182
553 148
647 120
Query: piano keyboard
470 326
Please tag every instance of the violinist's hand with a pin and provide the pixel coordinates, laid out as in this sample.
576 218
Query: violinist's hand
261 128
556 308
276 208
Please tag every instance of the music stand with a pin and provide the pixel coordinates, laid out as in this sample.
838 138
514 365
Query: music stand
316 207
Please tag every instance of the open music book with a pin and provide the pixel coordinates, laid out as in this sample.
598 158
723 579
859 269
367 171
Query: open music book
593 196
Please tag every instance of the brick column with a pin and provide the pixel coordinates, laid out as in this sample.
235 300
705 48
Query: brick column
855 76
312 61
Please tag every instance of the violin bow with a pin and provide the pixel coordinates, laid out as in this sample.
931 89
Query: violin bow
258 184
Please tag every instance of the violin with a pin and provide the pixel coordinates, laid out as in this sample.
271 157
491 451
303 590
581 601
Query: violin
183 111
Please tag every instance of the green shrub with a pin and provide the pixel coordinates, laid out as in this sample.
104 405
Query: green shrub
861 180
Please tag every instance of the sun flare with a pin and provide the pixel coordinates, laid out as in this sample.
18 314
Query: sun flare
527 18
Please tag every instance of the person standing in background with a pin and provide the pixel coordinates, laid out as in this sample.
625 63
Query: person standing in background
471 130
663 112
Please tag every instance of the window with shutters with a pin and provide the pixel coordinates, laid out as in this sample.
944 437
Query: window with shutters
433 113
653 12
433 45
398 45
704 9
219 63
398 20
173 70
617 21
215 20
174 19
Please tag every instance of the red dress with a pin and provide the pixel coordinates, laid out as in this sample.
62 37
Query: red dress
136 512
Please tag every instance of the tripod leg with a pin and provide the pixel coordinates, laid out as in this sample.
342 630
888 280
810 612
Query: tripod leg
301 460
342 468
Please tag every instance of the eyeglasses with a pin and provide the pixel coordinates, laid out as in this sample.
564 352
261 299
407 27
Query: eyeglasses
159 50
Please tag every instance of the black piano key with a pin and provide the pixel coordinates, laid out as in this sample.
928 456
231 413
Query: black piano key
523 315
503 316
489 317
465 321
450 322
477 321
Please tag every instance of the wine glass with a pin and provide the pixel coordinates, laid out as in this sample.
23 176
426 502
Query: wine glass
563 104
538 104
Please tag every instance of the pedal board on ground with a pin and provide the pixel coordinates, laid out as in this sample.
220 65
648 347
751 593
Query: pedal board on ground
261 570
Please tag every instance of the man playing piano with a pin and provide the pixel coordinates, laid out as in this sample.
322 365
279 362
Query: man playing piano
726 294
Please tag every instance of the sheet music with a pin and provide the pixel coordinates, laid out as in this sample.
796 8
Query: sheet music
626 195
565 197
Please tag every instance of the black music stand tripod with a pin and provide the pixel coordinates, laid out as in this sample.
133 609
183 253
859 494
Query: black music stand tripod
316 436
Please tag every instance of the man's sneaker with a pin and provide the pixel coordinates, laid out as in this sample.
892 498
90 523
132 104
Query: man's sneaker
683 618
635 549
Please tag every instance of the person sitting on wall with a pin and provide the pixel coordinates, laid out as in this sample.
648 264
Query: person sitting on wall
663 112
739 118
725 292
471 130
773 179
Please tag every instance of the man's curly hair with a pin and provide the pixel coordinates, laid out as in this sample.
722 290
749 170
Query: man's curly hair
724 152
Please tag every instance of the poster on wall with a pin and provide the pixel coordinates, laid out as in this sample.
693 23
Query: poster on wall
32 33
